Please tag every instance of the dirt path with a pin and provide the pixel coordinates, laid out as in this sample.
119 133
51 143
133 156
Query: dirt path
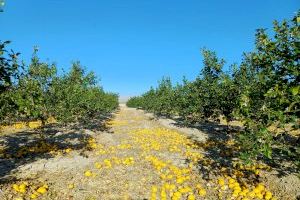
140 158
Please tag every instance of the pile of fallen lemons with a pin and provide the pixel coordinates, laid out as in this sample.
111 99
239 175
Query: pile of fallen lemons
228 186
110 163
30 124
25 190
177 181
38 147
172 157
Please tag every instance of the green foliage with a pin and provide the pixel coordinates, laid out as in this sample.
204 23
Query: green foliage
186 101
159 100
8 66
31 93
272 99
263 93
38 93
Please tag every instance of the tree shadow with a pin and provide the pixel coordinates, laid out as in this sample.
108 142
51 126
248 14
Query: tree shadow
28 146
95 124
222 154
285 154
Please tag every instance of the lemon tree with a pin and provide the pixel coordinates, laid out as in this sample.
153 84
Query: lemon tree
262 92
37 92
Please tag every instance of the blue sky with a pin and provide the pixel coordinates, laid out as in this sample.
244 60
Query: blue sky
131 44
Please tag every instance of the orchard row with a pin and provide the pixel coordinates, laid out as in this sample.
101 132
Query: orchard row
262 92
38 92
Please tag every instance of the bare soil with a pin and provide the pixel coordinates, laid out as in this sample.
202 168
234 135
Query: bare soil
64 173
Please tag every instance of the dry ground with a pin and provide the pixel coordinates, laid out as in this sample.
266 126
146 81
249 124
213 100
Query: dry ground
136 157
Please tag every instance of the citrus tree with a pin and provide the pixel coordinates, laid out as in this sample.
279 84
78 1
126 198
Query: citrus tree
272 97
37 92
31 93
262 93
8 66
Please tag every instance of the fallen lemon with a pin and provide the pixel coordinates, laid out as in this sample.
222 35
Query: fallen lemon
33 196
88 173
202 192
41 190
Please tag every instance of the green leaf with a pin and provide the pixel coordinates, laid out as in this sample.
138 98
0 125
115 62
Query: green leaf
295 90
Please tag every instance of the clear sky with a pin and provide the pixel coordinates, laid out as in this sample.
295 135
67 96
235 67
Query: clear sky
131 44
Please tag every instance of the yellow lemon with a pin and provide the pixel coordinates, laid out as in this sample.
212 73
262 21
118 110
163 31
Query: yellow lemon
97 165
191 197
268 195
41 190
33 196
22 190
68 150
16 187
221 181
88 173
202 192
231 181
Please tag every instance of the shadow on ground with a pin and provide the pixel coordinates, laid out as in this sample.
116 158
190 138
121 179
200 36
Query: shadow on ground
222 154
29 146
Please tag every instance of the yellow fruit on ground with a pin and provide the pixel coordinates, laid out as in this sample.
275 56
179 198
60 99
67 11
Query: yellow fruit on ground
172 187
256 190
177 195
163 194
93 145
259 196
202 192
33 196
16 187
268 195
191 197
153 192
88 173
71 186
224 187
235 194
260 187
23 185
221 181
231 181
22 190
251 194
68 150
154 189
97 165
180 180
185 190
41 190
